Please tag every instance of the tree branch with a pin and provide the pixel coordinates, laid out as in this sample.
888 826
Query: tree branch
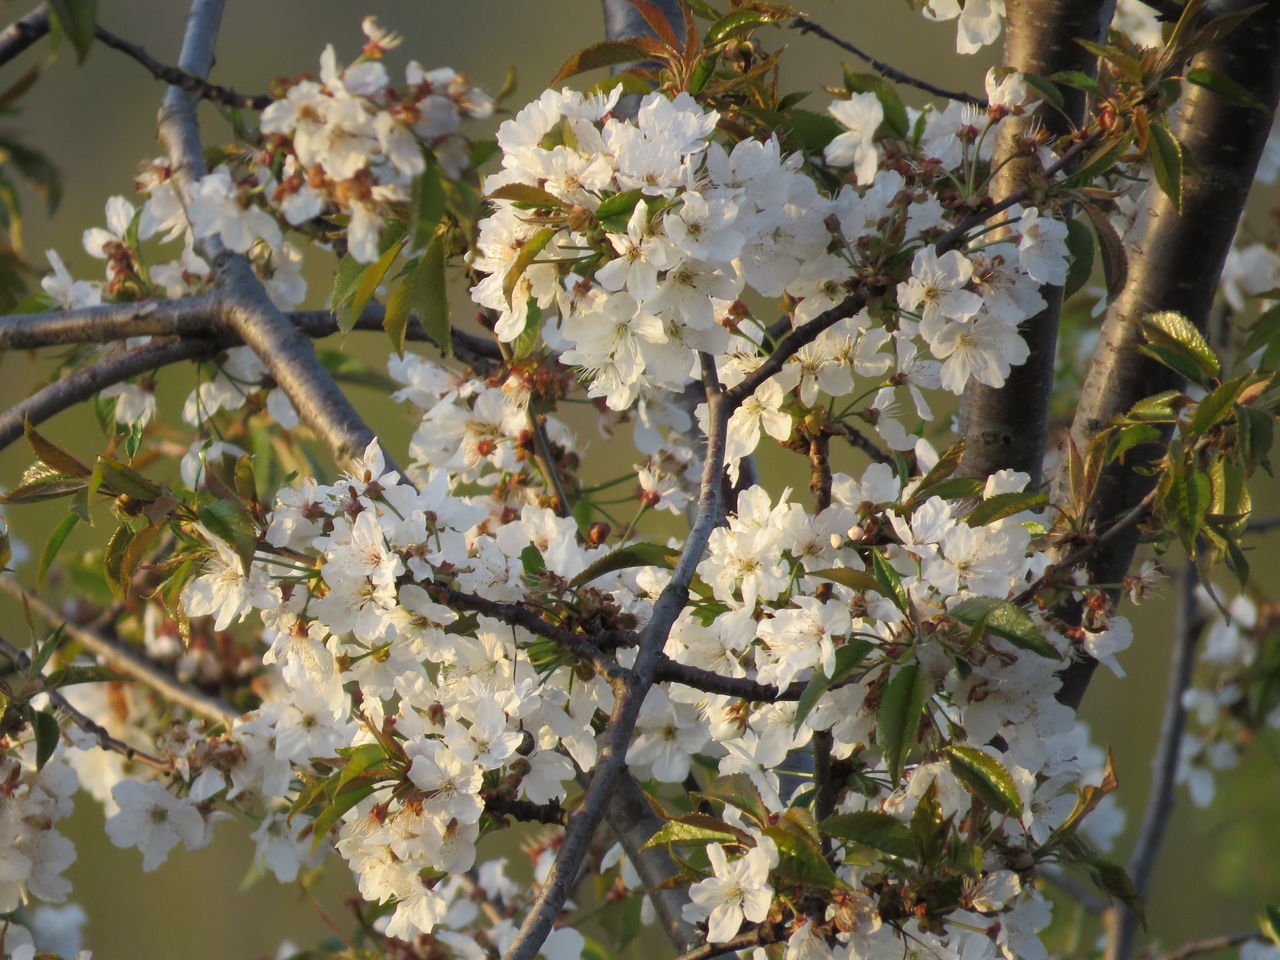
1187 626
174 76
860 441
1007 427
108 322
611 764
242 302
1210 945
761 936
21 661
1179 252
520 616
84 383
22 34
805 25
128 661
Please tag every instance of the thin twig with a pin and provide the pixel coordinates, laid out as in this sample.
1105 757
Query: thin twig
1085 896
20 35
1187 627
177 77
1262 524
520 616
1065 565
22 661
1210 945
128 661
805 25
760 936
526 811
860 441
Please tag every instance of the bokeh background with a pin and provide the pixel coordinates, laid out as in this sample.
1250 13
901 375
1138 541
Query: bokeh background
96 121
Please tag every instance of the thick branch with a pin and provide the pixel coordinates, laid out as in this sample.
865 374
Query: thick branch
1164 763
125 660
21 35
106 741
1176 260
108 322
1007 427
242 302
611 765
805 25
84 383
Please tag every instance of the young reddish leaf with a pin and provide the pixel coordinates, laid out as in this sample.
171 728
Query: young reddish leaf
528 253
54 455
607 53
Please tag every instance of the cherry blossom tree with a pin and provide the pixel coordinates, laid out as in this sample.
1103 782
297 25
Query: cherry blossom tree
815 710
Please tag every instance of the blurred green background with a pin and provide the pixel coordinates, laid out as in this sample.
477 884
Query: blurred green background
96 121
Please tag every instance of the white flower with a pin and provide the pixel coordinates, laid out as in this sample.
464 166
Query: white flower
736 892
860 115
153 820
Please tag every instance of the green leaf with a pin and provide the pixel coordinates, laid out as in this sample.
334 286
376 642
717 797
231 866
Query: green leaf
113 560
986 777
607 54
331 814
359 759
45 650
47 733
1256 432
848 658
616 210
527 194
1171 329
532 560
344 282
738 791
48 487
366 286
800 860
395 322
229 521
1080 249
430 297
1269 923
428 205
77 21
1216 407
1165 153
1045 87
698 829
736 24
1225 87
528 253
874 829
1003 505
117 478
1264 331
1186 504
898 721
1006 621
890 581
632 555
1077 80
52 545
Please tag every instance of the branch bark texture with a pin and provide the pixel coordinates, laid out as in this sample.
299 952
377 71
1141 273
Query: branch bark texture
1176 259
